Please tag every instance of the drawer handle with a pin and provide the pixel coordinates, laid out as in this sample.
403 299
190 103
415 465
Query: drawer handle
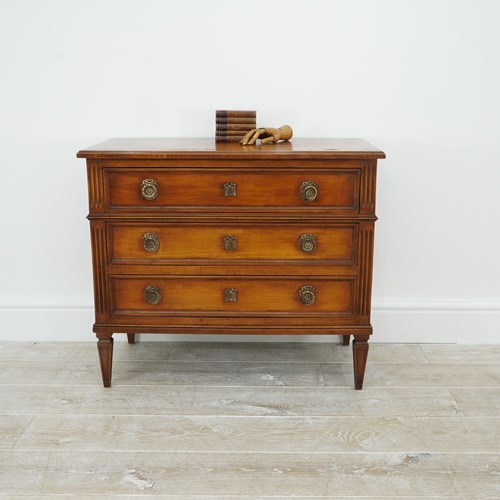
307 243
152 294
151 242
307 294
230 189
149 189
230 242
230 295
309 190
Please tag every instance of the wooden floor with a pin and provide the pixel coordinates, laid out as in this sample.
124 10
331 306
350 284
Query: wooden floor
233 420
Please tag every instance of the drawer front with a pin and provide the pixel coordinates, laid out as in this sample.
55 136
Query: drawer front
161 243
226 296
159 189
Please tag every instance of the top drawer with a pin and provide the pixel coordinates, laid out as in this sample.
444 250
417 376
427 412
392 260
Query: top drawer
179 189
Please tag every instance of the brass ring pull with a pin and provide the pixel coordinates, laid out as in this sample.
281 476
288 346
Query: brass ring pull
152 294
307 294
309 190
307 243
149 189
151 242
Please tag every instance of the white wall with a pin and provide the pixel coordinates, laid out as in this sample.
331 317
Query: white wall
418 78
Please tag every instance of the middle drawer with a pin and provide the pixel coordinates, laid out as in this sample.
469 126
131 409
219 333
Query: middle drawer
158 243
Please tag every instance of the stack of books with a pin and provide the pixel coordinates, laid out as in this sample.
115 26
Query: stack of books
232 126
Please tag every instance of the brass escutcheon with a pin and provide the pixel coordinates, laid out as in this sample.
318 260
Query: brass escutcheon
230 295
230 189
230 242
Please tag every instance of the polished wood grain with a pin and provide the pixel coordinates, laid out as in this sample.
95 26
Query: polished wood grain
225 253
260 242
105 351
189 295
360 355
99 259
272 188
201 148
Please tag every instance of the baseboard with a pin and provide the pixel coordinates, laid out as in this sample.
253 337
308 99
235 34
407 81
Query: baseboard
437 321
406 321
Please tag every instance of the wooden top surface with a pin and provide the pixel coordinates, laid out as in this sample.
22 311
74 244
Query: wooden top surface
163 148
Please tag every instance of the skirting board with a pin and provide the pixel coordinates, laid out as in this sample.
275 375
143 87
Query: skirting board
408 321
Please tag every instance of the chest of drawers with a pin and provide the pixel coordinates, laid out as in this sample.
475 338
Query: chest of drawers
193 236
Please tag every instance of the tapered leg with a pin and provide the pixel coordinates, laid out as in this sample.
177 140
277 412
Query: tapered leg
346 339
131 338
105 350
360 355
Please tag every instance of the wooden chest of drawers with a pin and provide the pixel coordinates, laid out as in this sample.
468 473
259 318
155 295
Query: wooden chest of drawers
193 236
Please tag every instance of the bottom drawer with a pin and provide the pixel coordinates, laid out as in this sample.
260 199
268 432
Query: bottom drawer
226 296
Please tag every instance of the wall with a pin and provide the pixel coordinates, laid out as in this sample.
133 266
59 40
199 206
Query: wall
419 79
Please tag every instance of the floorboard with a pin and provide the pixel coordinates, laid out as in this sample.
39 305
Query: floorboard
249 421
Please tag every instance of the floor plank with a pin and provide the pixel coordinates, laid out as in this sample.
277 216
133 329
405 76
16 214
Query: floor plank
201 373
287 474
260 401
419 374
208 497
265 352
477 402
459 353
261 434
239 373
11 429
277 352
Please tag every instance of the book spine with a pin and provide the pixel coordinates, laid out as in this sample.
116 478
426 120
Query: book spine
235 126
228 139
245 120
225 113
230 133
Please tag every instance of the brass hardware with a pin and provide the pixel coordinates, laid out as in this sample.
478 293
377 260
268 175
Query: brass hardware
149 189
152 294
309 190
230 242
151 242
307 294
230 189
230 295
307 243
